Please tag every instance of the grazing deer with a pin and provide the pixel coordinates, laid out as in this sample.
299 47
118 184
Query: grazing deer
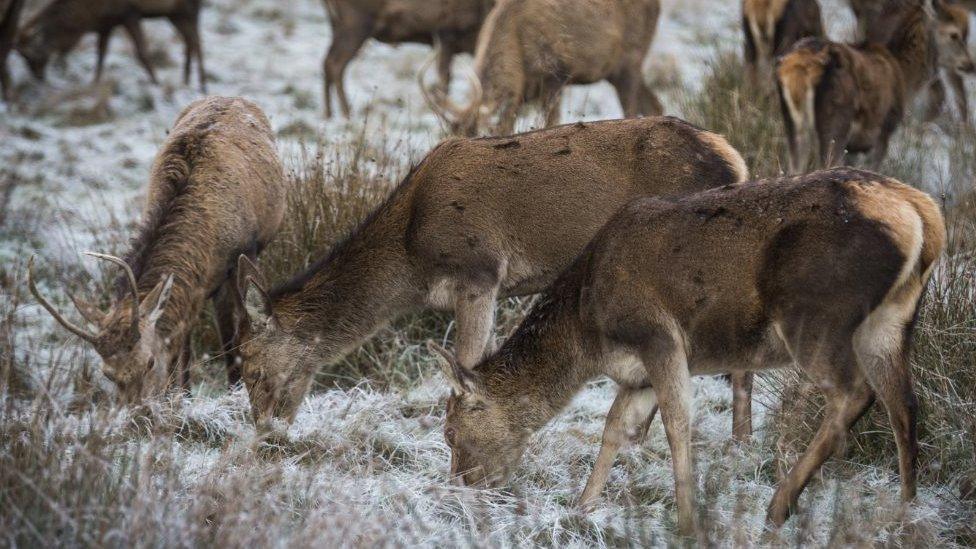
453 24
771 27
61 24
825 271
529 50
216 191
9 17
477 219
854 97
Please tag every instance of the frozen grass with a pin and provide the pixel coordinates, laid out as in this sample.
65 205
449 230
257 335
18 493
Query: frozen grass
365 463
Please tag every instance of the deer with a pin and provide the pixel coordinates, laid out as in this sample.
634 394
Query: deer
9 18
59 26
452 24
771 27
475 220
529 50
216 191
824 271
851 98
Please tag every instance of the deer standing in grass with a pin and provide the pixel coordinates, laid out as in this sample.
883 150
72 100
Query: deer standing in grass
771 27
9 18
216 191
60 25
851 99
824 271
529 50
476 220
453 24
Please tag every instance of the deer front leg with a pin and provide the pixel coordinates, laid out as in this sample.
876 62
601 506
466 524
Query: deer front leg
474 309
959 91
103 39
630 409
134 28
741 406
345 44
225 305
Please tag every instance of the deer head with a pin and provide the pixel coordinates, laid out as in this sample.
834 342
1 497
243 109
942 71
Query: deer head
484 434
952 37
273 356
134 355
463 121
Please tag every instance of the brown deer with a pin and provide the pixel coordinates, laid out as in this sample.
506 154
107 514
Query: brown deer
824 271
9 18
60 25
477 219
529 50
771 27
853 97
216 191
453 24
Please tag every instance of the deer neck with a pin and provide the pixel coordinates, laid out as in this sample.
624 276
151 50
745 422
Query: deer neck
544 364
913 49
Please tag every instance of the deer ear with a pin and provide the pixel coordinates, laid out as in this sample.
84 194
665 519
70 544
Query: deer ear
461 380
249 277
153 304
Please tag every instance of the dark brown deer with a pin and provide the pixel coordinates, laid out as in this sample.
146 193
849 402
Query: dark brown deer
60 25
529 50
824 271
216 191
453 24
9 17
477 219
851 98
771 27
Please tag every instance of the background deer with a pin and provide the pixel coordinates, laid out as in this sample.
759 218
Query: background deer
528 50
771 27
825 271
453 24
216 191
477 219
854 97
60 25
9 18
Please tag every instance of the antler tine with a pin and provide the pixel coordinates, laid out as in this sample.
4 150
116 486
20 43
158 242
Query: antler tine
80 332
130 276
438 101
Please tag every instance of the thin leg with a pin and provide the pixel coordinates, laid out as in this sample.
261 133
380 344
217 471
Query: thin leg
650 105
959 91
936 100
225 305
627 92
629 410
552 103
345 45
445 55
190 31
103 40
741 406
134 28
474 309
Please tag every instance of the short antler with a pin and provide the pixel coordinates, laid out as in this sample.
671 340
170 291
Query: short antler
80 332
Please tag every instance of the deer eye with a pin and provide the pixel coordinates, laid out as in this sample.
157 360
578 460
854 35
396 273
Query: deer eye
150 363
954 36
450 434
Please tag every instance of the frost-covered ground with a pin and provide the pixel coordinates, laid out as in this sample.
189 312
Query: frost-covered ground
365 464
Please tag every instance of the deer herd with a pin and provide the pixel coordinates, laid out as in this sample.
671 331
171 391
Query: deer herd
654 255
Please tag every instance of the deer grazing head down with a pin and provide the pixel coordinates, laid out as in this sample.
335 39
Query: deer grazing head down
126 338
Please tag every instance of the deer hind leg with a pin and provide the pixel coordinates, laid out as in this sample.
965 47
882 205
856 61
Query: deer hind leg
848 394
104 37
225 307
474 310
742 406
345 45
134 28
631 408
188 28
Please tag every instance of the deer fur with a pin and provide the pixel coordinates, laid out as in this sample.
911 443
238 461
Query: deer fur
453 24
477 219
825 271
771 27
60 25
10 11
851 98
528 50
216 191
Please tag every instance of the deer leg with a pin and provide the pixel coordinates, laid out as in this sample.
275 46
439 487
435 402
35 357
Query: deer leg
345 45
134 28
626 84
552 103
474 309
936 100
190 32
445 55
650 105
103 39
630 409
225 305
837 374
671 380
742 406
959 91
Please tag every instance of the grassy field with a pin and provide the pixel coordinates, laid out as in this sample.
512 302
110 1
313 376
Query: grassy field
365 462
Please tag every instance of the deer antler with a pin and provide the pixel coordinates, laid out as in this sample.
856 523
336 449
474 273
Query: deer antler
438 100
80 332
130 276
